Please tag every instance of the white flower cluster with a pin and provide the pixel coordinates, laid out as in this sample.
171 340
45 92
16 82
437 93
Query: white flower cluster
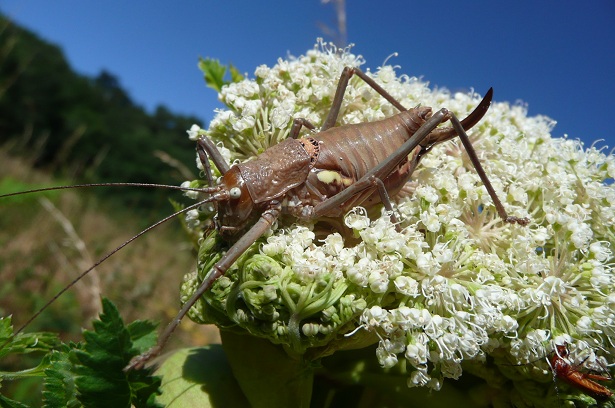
457 282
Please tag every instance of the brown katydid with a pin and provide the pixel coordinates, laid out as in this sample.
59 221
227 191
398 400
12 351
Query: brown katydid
324 174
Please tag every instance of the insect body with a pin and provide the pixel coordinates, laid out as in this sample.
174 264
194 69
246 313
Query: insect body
586 382
324 175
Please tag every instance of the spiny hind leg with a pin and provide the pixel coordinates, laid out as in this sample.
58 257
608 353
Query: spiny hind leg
481 173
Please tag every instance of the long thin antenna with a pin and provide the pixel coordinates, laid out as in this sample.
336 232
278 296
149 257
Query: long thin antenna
147 185
100 261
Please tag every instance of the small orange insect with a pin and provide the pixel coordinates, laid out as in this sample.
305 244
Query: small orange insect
583 381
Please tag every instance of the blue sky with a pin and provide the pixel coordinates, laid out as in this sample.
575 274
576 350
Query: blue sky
556 56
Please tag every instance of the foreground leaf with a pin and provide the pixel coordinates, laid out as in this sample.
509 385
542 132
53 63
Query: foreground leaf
267 375
108 349
24 342
9 403
59 384
199 377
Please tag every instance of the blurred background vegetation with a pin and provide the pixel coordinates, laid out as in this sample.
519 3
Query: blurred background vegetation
57 128
84 129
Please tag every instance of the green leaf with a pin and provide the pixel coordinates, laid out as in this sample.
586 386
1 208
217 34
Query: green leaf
9 403
27 343
92 373
108 349
59 382
24 342
214 73
143 335
267 375
6 328
199 377
236 76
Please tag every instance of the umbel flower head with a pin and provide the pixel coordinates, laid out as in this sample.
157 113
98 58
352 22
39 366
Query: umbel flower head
456 288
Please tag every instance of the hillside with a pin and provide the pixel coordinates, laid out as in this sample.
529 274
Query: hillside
85 129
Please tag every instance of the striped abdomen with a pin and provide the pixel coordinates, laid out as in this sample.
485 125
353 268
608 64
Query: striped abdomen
347 153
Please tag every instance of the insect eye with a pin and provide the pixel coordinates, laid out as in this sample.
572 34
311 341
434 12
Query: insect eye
235 192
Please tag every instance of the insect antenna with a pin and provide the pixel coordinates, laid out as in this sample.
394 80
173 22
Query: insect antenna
216 196
146 185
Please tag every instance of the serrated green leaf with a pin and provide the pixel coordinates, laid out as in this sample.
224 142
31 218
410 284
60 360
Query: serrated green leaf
6 332
38 371
145 388
142 334
32 342
214 73
59 384
24 342
9 403
108 349
236 76
6 328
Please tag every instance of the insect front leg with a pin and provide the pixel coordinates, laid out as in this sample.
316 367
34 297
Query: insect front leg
267 219
206 148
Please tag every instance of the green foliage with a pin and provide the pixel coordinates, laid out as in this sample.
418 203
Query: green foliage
59 382
200 377
9 403
214 73
90 373
24 343
108 349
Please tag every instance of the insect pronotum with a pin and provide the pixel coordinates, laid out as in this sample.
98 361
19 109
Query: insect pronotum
324 174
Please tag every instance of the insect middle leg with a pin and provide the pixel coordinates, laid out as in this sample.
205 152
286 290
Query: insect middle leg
336 105
338 99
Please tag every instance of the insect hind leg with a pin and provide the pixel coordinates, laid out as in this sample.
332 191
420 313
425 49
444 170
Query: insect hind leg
465 140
